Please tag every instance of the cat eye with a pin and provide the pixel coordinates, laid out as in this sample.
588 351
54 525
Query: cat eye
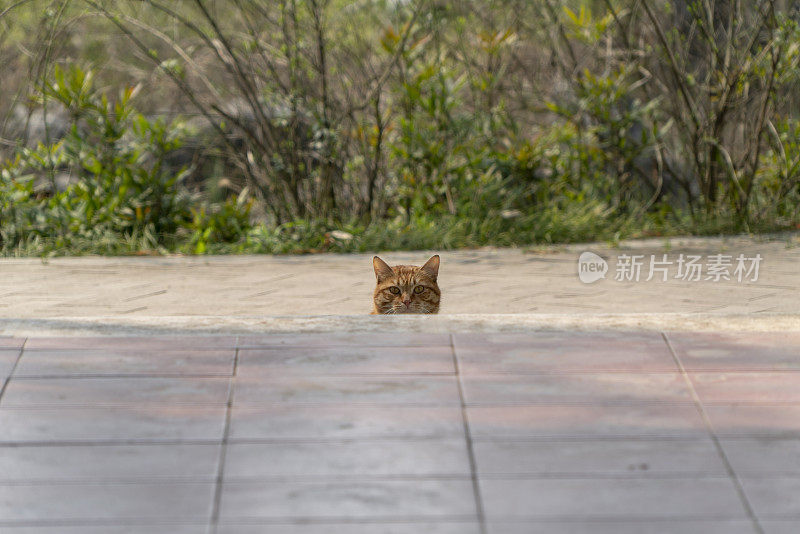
395 290
419 289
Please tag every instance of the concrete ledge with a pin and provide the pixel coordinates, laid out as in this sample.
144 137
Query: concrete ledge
543 282
115 325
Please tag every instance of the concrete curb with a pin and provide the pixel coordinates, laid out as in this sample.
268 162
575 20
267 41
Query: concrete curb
204 325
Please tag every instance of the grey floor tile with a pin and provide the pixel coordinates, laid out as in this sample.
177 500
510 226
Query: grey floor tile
585 421
347 340
119 502
259 390
571 499
7 360
786 526
762 387
125 362
595 388
106 529
344 421
345 360
773 496
729 351
152 343
604 457
143 422
417 499
763 455
113 391
575 432
355 528
746 420
562 351
348 458
107 462
630 527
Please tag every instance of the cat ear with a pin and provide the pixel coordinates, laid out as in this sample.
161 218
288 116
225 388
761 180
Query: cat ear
382 269
432 267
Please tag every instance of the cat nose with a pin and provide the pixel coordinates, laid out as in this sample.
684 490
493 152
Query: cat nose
407 302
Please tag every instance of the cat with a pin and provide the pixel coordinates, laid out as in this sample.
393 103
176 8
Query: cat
406 288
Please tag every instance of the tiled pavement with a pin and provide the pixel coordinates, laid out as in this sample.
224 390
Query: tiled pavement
554 432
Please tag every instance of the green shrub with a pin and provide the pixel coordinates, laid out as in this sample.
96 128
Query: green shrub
222 223
120 194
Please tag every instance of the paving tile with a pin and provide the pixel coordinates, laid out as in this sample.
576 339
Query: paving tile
348 458
764 387
562 352
105 529
748 420
731 351
595 388
7 360
763 455
115 391
572 499
787 526
354 528
125 362
585 421
417 499
389 339
255 390
197 342
318 436
345 421
346 360
670 526
142 422
107 462
75 502
602 457
773 496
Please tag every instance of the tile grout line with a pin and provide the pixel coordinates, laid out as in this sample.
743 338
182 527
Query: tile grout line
190 480
52 405
279 441
215 510
380 521
473 466
737 483
12 371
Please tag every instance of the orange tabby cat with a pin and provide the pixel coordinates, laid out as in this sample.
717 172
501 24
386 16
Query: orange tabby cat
406 288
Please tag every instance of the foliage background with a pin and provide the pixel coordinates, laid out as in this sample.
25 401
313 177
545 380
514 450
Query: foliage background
140 126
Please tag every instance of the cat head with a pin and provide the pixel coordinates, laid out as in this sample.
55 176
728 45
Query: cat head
406 288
